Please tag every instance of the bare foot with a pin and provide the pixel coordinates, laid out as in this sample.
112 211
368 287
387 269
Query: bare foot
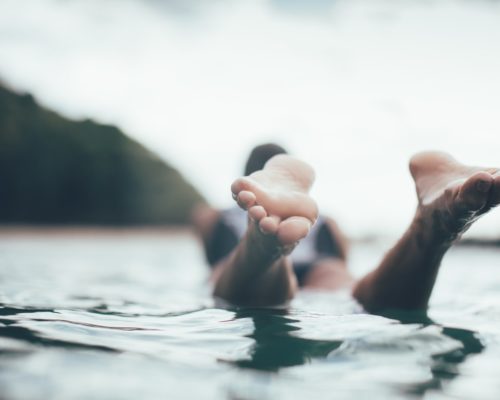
280 214
277 199
452 195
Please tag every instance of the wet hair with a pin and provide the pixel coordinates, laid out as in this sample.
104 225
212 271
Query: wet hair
260 155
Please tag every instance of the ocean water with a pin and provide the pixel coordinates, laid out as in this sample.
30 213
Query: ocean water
128 314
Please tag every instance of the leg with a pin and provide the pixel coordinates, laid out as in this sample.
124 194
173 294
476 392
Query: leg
451 196
280 211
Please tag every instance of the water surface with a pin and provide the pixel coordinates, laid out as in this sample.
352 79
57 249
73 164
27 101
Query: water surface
126 315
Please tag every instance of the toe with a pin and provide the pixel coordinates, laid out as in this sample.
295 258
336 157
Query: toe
246 199
269 225
495 191
257 213
293 229
474 192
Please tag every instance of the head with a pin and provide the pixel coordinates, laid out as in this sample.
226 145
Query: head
260 155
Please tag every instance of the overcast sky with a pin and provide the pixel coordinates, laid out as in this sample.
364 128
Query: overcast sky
354 87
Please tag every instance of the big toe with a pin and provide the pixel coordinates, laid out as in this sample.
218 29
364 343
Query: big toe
293 229
475 191
495 191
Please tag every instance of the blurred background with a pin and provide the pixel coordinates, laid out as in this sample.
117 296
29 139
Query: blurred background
354 87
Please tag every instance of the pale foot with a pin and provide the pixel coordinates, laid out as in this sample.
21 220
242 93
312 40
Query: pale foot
277 199
451 195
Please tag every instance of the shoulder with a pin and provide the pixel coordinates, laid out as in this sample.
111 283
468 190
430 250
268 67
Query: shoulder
329 223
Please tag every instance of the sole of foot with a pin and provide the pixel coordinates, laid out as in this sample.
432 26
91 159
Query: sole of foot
452 195
277 198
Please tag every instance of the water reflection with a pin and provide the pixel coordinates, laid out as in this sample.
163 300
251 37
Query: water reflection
275 347
279 343
445 367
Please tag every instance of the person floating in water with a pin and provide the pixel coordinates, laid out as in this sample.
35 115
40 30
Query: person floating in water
276 241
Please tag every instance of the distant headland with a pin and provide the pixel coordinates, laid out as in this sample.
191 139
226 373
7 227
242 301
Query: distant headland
56 171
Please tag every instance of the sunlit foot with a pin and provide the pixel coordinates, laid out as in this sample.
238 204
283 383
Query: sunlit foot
277 199
452 195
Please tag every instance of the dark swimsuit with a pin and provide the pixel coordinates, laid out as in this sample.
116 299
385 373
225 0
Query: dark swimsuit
231 226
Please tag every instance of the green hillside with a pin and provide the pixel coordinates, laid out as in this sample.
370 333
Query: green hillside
58 171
